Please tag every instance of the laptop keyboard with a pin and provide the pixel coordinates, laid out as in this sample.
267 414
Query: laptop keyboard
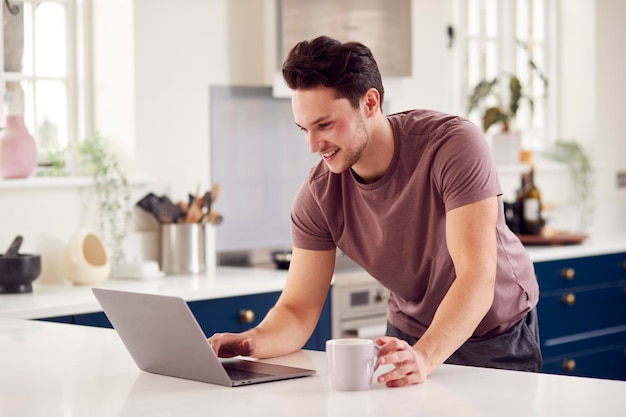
236 374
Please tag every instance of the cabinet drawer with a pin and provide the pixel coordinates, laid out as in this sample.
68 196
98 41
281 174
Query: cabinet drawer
89 319
237 314
575 272
569 312
233 314
608 362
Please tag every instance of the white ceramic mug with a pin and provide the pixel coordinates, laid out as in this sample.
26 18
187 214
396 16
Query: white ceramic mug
351 363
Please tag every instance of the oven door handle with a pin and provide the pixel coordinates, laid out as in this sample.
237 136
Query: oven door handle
366 328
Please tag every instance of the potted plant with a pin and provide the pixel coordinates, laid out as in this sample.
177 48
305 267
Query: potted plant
503 112
579 166
112 193
508 92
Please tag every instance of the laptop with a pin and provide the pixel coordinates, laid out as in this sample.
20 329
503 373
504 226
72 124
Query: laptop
163 337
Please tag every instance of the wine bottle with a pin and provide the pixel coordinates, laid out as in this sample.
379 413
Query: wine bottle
531 206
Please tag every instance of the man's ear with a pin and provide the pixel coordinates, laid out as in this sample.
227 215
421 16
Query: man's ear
371 101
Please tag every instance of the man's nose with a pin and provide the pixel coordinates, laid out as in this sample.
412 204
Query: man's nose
314 141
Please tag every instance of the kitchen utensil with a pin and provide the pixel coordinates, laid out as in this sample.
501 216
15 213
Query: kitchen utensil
15 247
214 218
194 212
18 271
162 208
215 192
206 206
183 248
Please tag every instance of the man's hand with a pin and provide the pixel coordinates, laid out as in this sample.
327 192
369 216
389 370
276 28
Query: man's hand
228 345
410 366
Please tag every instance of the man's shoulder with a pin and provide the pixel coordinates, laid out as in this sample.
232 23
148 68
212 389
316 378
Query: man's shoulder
424 121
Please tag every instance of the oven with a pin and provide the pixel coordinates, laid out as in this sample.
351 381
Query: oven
358 305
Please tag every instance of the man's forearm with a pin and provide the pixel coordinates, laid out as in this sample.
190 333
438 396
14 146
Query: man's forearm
458 315
281 332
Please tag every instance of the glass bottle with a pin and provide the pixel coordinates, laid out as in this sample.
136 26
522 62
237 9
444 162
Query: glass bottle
531 206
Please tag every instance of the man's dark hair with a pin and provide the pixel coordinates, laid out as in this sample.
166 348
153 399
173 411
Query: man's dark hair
349 68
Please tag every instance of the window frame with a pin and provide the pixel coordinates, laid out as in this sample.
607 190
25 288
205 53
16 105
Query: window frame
77 79
506 61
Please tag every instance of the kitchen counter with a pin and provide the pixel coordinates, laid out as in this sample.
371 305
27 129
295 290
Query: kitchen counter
49 300
57 369
600 244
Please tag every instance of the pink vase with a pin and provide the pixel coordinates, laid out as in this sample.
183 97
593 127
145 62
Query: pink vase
18 153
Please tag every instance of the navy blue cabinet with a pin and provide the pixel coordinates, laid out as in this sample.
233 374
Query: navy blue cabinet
232 314
582 316
238 314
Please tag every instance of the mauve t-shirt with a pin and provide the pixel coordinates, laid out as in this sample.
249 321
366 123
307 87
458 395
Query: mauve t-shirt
395 227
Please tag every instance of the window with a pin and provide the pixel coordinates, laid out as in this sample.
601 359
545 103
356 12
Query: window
40 68
505 38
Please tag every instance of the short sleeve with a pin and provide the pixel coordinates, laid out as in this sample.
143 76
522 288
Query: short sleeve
463 166
309 228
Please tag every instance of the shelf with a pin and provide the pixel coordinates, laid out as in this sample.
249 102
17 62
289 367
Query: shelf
59 182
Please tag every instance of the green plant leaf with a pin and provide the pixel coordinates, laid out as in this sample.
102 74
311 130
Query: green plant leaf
482 90
515 87
112 191
492 116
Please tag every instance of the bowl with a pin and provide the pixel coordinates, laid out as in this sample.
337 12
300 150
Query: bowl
282 259
18 272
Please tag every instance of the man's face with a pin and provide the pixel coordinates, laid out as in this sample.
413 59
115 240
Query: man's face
332 127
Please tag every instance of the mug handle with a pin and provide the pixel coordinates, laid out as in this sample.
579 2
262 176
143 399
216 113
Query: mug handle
376 363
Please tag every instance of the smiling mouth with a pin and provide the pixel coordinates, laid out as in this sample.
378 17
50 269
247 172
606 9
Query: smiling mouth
329 154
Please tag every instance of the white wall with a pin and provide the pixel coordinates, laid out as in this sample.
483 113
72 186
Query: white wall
592 98
609 140
152 100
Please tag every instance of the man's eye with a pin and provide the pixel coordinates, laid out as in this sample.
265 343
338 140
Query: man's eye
324 125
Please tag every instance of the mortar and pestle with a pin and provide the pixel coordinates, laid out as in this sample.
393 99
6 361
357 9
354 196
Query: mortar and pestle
18 271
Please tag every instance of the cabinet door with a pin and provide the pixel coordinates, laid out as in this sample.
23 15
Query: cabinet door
608 362
385 29
59 319
98 319
93 319
233 314
582 315
587 311
237 314
577 272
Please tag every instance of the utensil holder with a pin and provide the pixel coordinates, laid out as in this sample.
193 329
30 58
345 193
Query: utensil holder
184 248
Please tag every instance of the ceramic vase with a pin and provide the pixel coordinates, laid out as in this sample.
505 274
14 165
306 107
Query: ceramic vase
85 260
18 153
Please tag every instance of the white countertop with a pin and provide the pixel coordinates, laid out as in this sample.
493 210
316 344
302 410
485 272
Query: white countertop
599 244
53 369
51 300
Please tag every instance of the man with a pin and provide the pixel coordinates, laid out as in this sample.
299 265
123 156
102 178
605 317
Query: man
414 199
